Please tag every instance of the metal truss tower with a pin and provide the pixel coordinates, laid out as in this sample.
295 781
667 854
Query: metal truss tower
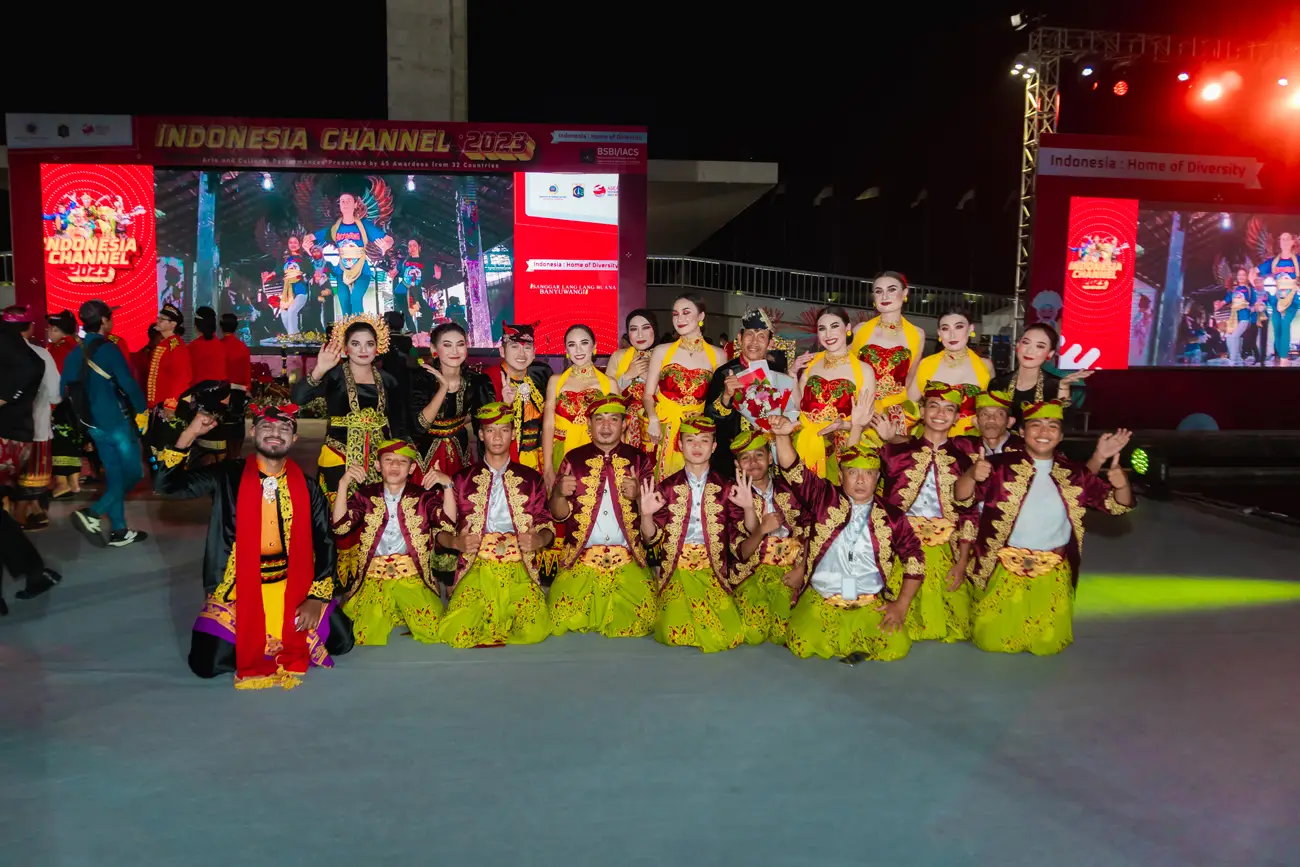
1049 46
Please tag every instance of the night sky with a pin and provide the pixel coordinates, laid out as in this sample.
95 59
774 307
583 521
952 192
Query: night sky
898 96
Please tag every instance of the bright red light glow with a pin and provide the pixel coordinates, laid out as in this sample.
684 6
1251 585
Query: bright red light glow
1294 101
1121 88
1183 76
1212 91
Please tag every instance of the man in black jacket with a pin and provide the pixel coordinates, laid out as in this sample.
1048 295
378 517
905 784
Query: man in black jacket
296 595
735 407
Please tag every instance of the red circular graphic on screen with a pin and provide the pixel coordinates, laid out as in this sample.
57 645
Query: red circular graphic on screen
1098 293
86 202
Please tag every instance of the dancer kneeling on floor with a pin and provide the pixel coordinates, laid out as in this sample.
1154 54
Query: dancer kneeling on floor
770 550
692 520
857 542
918 474
395 521
1026 552
604 584
501 522
268 568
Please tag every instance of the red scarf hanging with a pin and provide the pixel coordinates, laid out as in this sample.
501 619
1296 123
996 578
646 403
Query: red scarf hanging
250 622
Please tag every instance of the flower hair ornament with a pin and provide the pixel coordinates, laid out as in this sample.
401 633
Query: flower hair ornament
341 327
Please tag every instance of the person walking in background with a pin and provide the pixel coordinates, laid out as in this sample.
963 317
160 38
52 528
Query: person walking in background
98 381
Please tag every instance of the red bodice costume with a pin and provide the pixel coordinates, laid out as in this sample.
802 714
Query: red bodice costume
207 359
891 365
684 385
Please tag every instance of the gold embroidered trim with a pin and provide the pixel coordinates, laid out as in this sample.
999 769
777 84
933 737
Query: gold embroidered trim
1027 563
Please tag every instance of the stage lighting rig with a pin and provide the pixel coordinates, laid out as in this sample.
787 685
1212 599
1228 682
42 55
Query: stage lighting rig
1024 67
1089 67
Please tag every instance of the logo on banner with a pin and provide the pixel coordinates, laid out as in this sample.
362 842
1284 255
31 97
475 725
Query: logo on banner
93 240
1098 261
579 192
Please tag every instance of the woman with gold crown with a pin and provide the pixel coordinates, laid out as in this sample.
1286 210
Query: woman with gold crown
679 377
363 405
955 365
890 344
564 420
629 368
828 386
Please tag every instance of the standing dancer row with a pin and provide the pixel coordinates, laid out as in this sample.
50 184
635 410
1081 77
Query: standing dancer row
922 538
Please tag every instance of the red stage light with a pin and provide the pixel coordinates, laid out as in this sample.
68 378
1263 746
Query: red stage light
1294 101
1212 91
1121 88
1183 76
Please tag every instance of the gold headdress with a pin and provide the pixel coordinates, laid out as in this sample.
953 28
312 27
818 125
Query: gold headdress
376 322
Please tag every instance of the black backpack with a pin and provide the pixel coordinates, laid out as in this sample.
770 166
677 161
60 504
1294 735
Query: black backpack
77 395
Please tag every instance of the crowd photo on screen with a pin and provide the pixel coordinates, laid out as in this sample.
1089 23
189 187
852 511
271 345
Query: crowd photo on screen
1214 288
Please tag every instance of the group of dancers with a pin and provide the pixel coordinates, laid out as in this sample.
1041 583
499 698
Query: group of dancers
865 500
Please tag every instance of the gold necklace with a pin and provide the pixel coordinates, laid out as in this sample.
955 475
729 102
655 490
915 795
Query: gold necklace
691 344
834 359
891 326
951 360
583 371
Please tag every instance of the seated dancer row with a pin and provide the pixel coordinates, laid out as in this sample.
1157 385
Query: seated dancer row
828 570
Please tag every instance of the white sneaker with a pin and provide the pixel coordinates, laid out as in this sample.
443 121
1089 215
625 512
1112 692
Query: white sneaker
122 538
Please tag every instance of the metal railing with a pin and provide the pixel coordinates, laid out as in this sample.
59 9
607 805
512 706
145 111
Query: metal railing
781 284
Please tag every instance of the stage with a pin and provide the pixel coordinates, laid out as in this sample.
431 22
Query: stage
1165 736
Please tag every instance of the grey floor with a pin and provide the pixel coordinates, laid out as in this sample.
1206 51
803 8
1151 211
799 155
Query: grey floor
1155 740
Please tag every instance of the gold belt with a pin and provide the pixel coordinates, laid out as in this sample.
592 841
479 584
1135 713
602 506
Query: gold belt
606 558
1027 563
391 567
365 419
838 601
931 531
694 558
780 552
500 548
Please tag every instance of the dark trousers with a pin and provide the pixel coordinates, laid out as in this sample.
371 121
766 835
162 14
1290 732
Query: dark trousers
18 556
1256 340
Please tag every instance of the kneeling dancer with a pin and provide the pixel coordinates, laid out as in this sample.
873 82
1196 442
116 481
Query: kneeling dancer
604 584
1026 562
770 547
397 521
919 473
501 522
857 542
691 519
270 558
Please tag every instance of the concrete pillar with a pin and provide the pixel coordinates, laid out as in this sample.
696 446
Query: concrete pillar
428 75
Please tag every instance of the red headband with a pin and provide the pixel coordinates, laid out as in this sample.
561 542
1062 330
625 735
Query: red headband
288 412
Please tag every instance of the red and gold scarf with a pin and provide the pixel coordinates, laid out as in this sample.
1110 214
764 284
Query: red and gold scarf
253 669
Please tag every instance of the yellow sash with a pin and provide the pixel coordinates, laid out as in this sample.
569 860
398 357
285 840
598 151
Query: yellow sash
671 413
568 436
811 446
353 259
930 364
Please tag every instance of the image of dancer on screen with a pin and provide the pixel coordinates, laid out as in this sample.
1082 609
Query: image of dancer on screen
355 228
1276 261
407 275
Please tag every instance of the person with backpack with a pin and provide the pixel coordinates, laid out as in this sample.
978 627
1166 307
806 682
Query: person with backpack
21 372
105 398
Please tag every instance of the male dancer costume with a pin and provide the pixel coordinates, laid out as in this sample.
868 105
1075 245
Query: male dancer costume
690 516
857 543
1030 536
501 524
918 475
239 373
396 520
268 567
993 421
604 584
520 383
770 549
167 376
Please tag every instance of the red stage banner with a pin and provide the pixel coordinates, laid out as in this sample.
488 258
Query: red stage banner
99 242
1102 244
382 146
